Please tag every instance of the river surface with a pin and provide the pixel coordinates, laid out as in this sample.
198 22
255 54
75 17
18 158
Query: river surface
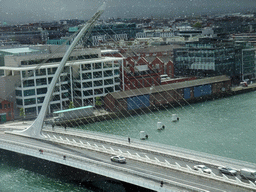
224 127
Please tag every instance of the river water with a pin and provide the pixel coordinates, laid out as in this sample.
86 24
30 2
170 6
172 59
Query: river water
224 127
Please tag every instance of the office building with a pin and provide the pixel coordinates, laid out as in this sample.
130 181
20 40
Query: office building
85 77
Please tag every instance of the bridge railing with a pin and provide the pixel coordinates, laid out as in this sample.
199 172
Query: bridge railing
155 161
101 168
154 147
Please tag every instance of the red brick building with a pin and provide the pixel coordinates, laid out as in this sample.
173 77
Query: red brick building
6 111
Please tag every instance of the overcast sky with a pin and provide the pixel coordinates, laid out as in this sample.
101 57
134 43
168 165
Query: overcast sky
16 11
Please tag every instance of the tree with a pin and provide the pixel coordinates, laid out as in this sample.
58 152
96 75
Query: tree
98 101
22 113
197 25
71 105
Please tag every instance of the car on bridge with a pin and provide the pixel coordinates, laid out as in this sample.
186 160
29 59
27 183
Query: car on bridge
227 170
203 168
118 159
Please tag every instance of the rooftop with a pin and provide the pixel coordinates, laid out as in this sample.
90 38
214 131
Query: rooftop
168 87
18 50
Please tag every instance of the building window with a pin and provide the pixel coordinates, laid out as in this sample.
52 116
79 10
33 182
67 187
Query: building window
30 101
40 99
9 105
108 73
97 83
41 91
29 92
86 67
41 82
18 93
87 84
98 91
116 72
108 82
9 114
97 66
109 89
65 95
28 83
30 110
0 105
97 74
87 93
19 102
40 72
5 106
86 75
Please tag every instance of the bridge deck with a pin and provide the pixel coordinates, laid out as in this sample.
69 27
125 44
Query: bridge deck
147 163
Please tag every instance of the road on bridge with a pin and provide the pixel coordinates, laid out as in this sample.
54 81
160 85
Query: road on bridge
136 149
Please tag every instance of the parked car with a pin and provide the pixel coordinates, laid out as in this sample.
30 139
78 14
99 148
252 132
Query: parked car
118 159
248 174
202 168
227 170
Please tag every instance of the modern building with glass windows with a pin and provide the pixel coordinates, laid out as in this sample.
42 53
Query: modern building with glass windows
86 76
214 56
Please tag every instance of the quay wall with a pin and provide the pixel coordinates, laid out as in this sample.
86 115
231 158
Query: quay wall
118 106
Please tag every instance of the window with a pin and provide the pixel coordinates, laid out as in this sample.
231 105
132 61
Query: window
18 101
97 83
41 82
29 92
28 83
41 91
87 84
40 72
30 110
40 99
30 101
97 74
86 75
87 93
18 93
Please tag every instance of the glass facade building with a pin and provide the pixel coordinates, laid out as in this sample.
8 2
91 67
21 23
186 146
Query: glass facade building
82 81
213 56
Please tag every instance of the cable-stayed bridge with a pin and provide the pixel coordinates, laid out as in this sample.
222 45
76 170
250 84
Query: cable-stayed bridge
147 165
152 166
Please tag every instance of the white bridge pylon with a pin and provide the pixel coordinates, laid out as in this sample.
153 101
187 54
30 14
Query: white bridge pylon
34 130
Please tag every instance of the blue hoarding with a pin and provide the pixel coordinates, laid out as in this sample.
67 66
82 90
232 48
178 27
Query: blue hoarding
138 102
202 90
187 94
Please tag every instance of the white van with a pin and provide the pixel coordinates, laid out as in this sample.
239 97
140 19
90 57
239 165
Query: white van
248 174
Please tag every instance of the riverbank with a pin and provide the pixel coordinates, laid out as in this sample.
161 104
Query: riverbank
102 115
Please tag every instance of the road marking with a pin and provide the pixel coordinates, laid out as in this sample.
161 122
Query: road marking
178 165
111 149
147 157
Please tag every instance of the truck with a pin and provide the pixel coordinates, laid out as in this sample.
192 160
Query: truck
248 174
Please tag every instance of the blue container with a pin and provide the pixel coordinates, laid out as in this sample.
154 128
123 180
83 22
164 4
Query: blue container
202 90
187 94
138 102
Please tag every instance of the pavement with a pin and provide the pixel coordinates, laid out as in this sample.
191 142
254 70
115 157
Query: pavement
15 125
